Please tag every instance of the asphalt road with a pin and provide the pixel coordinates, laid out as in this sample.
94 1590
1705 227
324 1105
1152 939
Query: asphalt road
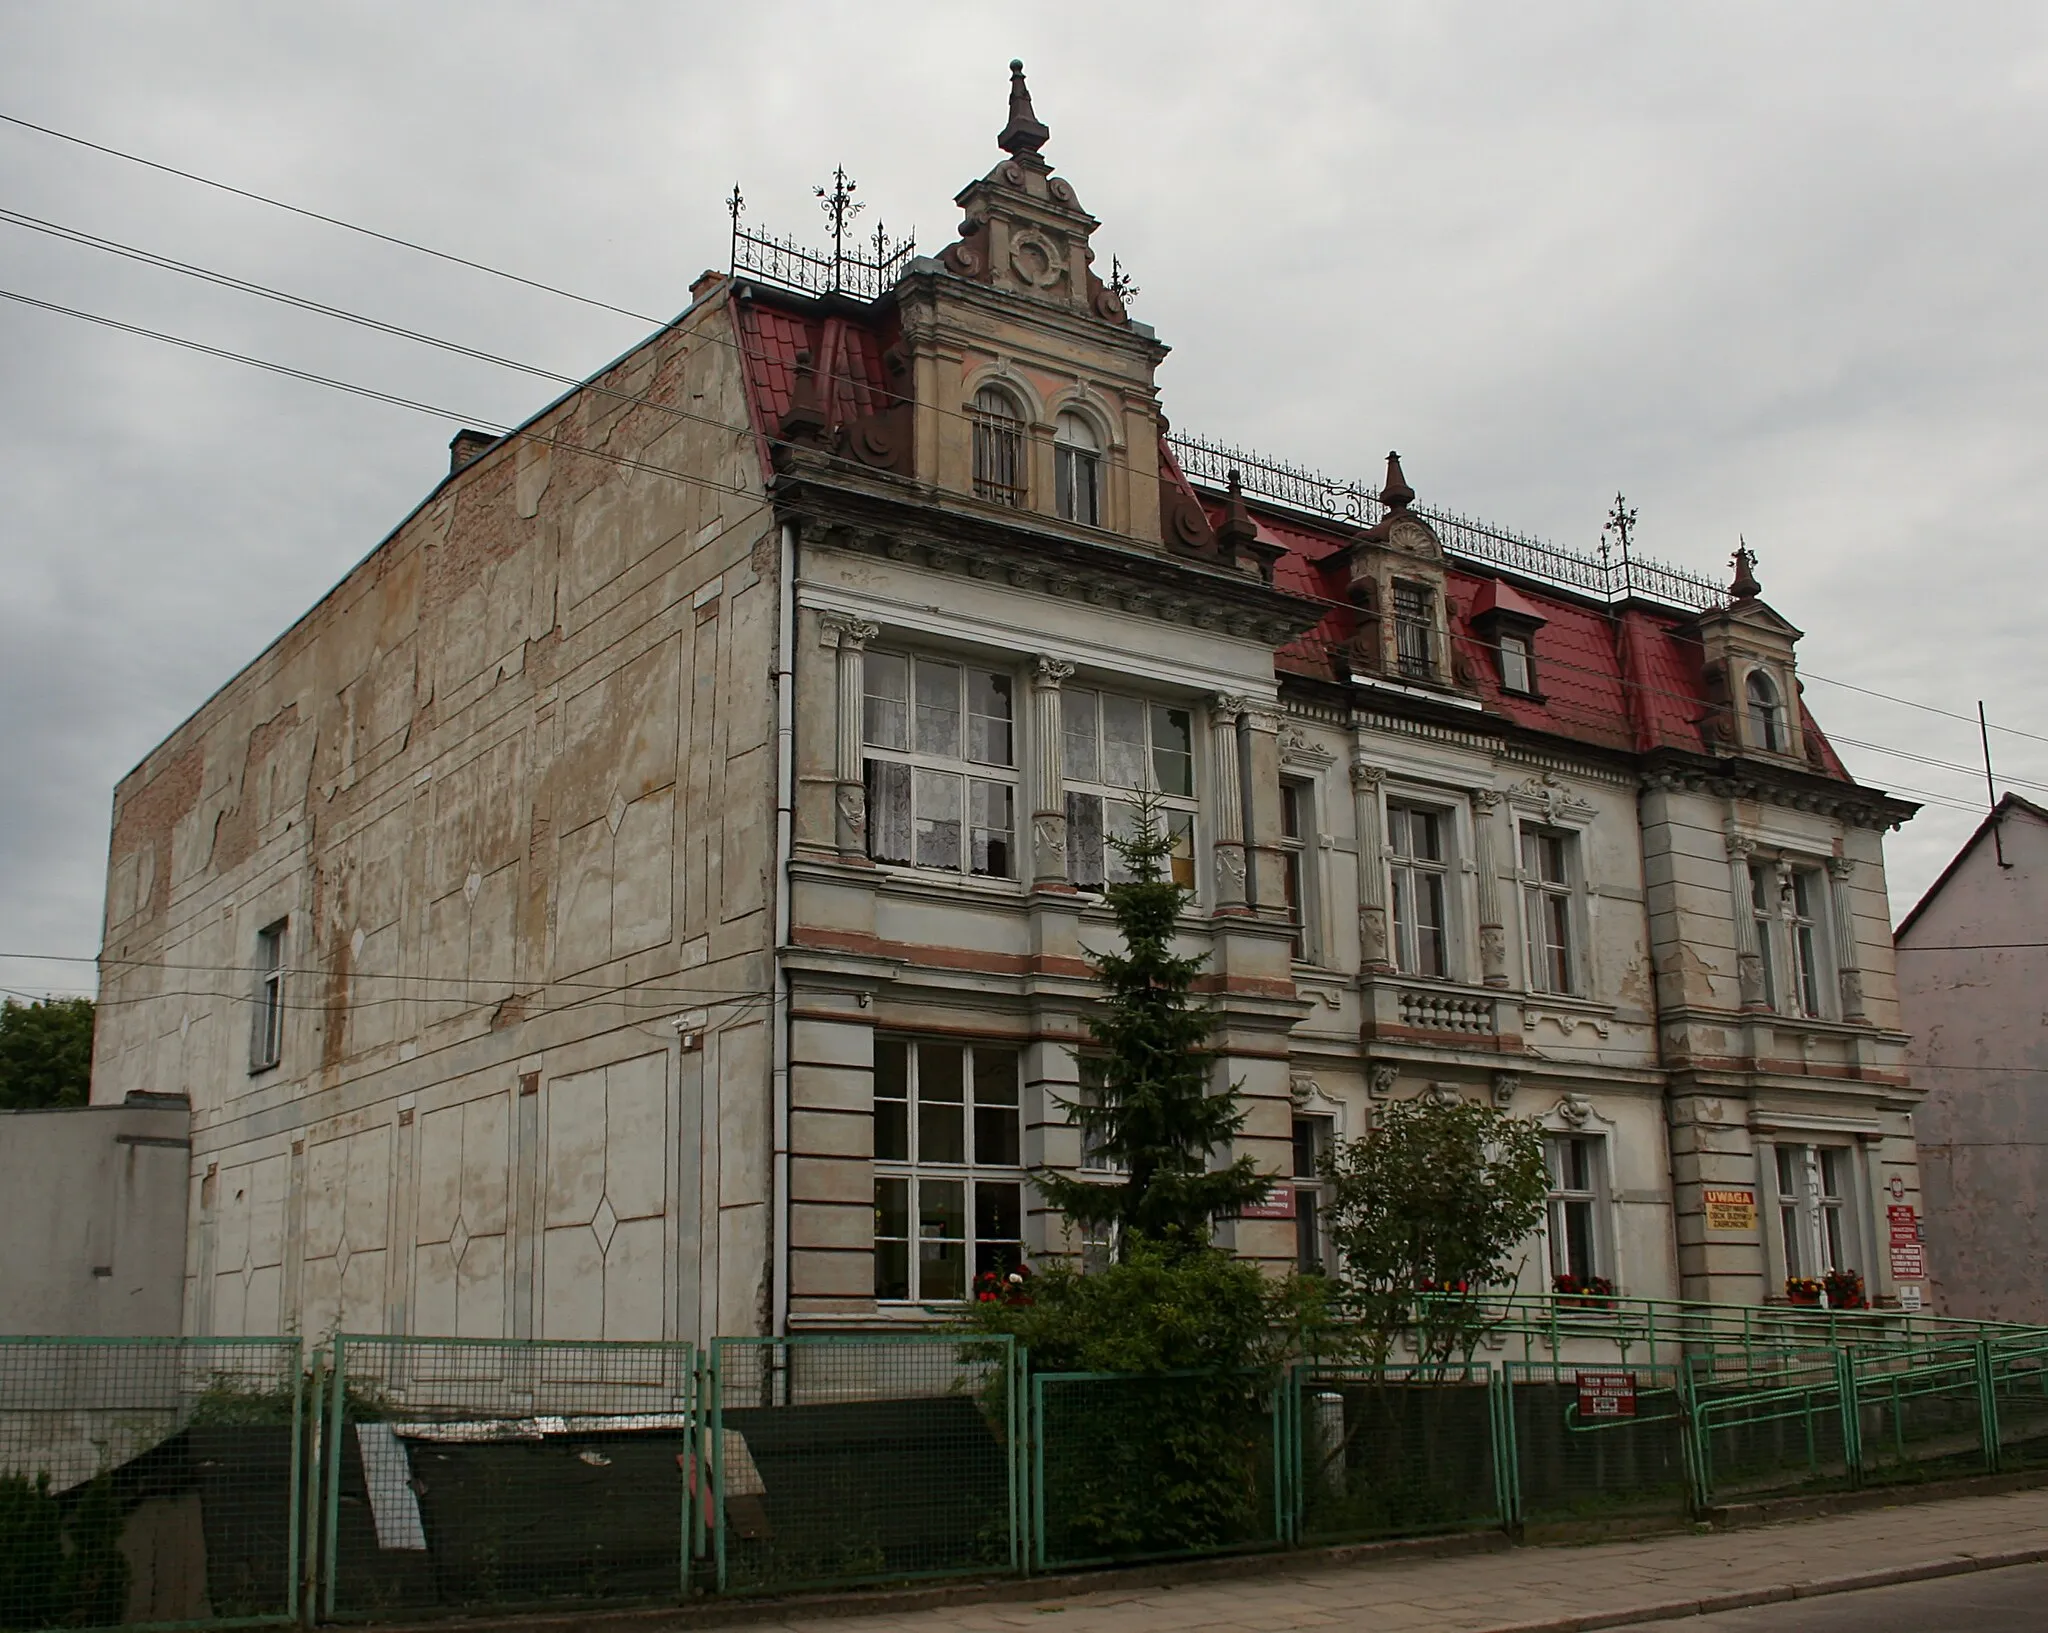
2014 1600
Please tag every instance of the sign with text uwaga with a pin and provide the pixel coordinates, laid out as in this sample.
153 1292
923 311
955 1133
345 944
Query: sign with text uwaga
1607 1395
1730 1208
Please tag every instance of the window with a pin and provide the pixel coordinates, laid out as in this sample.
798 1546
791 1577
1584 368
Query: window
1517 672
1421 873
1311 1140
998 447
1766 721
1548 865
949 1194
266 1032
1414 629
1116 747
941 792
1077 470
1788 902
1577 1190
1297 824
1816 1211
1090 1094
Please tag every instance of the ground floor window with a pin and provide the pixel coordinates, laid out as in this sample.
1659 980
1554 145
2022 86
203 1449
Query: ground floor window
1816 1211
1578 1250
949 1182
1311 1247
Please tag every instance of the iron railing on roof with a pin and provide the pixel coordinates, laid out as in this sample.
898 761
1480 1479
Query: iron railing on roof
1599 574
865 269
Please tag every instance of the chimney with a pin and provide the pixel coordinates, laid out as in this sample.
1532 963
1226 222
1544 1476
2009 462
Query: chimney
466 446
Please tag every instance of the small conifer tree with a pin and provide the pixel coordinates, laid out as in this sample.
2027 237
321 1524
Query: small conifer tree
1155 1117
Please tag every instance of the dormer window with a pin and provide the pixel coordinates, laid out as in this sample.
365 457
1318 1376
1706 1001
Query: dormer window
1077 470
1517 672
1415 630
1766 714
998 447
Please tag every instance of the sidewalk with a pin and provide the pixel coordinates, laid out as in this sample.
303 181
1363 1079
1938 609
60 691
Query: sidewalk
1556 1589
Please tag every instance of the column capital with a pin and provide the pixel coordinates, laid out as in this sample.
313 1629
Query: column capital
1263 717
1486 800
1366 775
842 631
1051 672
1225 707
1841 867
1741 846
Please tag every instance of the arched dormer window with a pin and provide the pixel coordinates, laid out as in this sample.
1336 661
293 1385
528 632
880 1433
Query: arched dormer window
998 447
1077 470
1766 714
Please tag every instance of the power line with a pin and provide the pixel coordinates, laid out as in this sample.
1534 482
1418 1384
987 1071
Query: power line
332 221
1909 703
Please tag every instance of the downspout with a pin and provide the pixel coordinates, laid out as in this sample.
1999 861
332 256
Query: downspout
785 784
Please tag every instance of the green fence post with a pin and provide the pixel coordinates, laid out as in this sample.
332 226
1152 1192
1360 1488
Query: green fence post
332 1518
1852 1415
1987 1405
295 1516
1019 1360
306 1477
1036 1406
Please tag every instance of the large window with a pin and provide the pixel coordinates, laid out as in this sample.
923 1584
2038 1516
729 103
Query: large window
266 1031
1763 896
942 791
1577 1200
1297 864
949 1192
998 447
1077 470
1312 1137
1816 1209
1116 748
1421 889
1549 867
1803 938
1788 905
1415 629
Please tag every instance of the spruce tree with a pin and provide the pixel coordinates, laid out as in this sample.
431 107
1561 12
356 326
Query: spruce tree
1155 1117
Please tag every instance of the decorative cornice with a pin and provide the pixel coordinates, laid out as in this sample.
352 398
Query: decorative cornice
1857 806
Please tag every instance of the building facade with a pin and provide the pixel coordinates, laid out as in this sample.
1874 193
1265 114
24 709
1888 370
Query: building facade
653 894
1973 964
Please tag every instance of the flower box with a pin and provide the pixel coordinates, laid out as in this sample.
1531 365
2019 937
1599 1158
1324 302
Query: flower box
1582 1292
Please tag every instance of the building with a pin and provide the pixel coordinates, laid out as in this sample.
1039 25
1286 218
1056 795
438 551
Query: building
652 893
1973 964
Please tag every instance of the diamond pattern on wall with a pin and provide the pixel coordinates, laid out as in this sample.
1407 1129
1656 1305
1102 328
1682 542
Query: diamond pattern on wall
458 1239
603 1223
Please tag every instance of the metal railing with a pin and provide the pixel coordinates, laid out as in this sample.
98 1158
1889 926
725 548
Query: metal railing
1601 574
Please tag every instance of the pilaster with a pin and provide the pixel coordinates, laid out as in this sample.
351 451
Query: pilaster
1047 776
1374 945
1228 801
1848 966
849 637
1493 953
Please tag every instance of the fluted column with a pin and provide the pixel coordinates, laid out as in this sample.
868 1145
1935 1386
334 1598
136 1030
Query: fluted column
1749 953
1227 799
849 636
1265 881
1374 945
1493 944
1047 776
1848 966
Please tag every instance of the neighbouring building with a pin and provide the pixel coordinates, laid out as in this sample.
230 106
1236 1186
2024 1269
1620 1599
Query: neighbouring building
92 1208
653 893
1973 982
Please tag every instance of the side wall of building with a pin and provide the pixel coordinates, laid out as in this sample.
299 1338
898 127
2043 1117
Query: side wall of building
92 1208
499 798
1980 1050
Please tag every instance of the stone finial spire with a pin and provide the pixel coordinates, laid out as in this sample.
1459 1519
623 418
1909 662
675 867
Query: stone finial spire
1397 494
1238 531
1023 134
1745 587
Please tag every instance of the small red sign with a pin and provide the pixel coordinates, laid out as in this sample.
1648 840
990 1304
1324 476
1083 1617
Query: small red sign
1909 1261
1905 1225
1278 1203
1607 1394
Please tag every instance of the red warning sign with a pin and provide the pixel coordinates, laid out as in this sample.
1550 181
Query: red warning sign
1607 1394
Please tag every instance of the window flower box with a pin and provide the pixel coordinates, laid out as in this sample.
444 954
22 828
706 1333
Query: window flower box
1845 1291
1806 1291
1582 1292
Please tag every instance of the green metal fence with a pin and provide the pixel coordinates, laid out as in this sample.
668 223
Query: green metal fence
856 1459
2017 1370
149 1480
1596 1442
1127 1468
1395 1453
1923 1416
463 1474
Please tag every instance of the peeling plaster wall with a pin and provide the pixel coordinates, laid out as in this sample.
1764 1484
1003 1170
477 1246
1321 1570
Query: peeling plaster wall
486 783
1979 1017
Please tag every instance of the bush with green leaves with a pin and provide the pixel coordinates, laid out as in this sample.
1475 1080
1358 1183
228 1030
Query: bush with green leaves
1429 1210
45 1053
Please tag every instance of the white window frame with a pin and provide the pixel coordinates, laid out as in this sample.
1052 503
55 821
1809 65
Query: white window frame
1097 808
1765 716
1403 875
1796 946
1820 1229
924 766
1077 469
913 1170
1538 893
1516 650
1300 878
266 1031
1594 1198
1313 1136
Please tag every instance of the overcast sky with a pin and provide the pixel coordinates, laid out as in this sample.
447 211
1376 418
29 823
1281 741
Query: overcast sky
1774 270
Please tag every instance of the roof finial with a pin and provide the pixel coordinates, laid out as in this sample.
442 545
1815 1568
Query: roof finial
1397 494
1023 134
1745 587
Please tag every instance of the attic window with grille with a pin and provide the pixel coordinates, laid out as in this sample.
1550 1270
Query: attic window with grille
998 447
1415 629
